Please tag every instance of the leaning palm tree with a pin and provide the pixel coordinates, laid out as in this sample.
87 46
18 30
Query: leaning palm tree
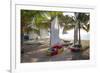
32 17
38 18
26 17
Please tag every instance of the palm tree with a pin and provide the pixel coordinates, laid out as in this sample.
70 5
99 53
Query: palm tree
41 20
26 17
82 22
67 22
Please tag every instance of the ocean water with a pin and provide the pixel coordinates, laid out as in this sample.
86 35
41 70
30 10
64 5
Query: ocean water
70 35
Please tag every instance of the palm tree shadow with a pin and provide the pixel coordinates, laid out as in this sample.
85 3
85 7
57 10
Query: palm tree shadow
34 53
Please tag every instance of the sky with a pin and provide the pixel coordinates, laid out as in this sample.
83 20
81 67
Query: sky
67 13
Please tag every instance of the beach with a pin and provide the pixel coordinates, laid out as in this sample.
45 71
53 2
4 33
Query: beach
36 52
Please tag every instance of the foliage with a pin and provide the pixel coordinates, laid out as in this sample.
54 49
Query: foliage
42 20
84 18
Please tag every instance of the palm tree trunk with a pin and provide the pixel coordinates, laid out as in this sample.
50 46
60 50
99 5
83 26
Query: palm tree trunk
76 29
79 36
75 34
